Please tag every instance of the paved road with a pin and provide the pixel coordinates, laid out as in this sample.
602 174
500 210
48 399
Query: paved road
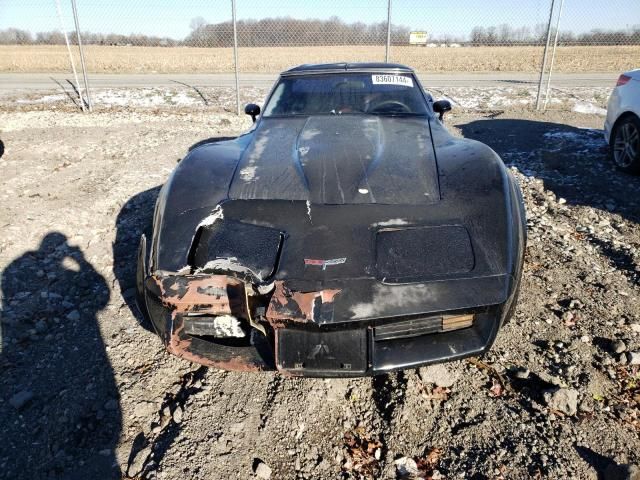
16 82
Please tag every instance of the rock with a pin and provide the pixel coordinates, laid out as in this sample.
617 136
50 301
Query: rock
521 373
564 400
41 326
20 399
137 464
237 427
262 470
74 315
177 415
575 304
111 404
619 346
438 374
406 467
144 409
635 327
633 358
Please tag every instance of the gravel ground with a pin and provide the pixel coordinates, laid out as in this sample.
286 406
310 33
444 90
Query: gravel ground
88 392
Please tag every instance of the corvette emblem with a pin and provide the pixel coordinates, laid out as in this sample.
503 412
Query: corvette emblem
324 263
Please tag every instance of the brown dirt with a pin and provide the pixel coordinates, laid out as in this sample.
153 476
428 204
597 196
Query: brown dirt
106 59
107 400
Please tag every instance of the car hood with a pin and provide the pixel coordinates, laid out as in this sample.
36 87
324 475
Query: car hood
348 159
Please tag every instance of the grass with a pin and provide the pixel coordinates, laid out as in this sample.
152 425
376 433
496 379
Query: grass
106 59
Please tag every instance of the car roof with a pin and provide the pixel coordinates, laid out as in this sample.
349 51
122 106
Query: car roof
337 67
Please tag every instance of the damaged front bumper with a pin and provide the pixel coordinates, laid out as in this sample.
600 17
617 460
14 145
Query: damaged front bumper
225 322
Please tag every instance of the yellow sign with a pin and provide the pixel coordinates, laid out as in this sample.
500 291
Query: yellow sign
418 38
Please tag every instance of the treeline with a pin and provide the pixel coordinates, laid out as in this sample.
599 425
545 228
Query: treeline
276 32
506 34
15 36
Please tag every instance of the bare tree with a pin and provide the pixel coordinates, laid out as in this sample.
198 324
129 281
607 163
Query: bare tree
197 23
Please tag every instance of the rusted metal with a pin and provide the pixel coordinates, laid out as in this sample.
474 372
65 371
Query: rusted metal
299 307
212 294
180 344
205 294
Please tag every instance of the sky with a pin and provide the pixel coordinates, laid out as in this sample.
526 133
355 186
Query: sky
171 18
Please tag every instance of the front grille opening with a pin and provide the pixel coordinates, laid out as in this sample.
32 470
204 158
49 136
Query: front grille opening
416 327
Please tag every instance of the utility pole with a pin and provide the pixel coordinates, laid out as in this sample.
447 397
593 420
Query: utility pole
235 53
386 52
71 61
544 56
84 68
553 56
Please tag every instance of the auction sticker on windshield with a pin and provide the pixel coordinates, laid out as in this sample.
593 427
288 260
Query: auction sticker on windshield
392 80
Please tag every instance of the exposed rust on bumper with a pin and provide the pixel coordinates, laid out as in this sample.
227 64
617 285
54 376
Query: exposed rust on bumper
210 294
213 295
299 307
181 345
217 295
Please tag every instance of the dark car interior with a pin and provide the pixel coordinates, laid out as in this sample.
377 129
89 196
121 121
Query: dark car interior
344 94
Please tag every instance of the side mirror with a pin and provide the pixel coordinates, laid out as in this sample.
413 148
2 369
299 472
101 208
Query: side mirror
253 110
441 107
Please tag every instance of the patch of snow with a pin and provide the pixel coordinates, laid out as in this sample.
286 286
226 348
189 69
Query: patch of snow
181 98
587 107
585 140
45 99
572 136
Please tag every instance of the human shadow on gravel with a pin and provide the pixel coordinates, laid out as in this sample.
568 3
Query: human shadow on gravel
134 219
61 412
598 462
573 162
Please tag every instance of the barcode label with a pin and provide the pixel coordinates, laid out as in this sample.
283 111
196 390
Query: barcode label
392 80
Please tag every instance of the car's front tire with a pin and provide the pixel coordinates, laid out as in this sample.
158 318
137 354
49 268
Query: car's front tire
625 144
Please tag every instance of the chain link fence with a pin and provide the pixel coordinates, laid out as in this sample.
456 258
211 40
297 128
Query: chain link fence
197 36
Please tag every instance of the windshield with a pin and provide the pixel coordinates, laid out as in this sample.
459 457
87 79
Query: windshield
347 93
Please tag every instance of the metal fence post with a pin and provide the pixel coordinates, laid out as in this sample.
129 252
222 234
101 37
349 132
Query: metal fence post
235 53
553 56
73 64
386 51
84 69
544 56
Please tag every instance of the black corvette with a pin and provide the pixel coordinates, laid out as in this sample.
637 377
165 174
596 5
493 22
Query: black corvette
346 234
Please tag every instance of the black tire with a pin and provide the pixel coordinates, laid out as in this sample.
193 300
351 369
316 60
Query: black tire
625 144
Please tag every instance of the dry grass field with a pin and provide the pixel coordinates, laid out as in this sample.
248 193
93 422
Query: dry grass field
105 59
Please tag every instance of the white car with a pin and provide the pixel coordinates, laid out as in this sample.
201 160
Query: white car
622 127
